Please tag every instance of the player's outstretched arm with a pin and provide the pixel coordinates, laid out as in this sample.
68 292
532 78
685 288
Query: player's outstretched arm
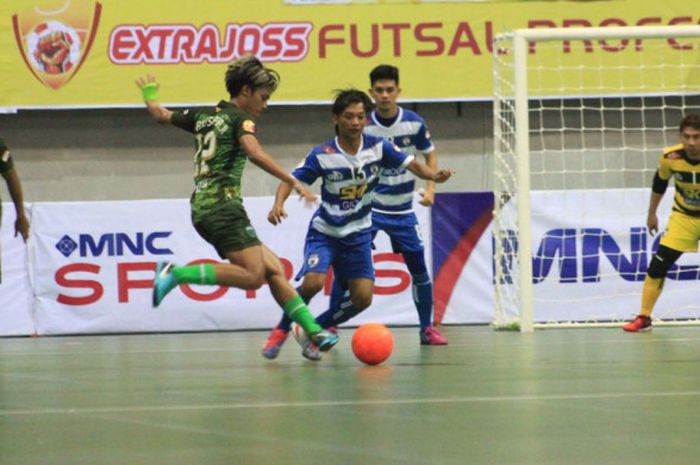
15 188
423 171
259 157
428 195
652 218
149 90
658 189
278 213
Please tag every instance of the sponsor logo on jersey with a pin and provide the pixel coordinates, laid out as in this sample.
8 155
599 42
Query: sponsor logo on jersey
313 260
674 156
249 126
334 176
250 232
55 41
393 171
217 122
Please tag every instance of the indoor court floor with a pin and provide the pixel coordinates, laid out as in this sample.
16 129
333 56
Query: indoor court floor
564 397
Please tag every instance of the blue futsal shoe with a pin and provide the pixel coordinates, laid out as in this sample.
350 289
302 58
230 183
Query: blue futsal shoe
164 282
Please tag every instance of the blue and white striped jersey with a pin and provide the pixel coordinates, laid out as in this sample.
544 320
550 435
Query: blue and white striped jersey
348 182
394 193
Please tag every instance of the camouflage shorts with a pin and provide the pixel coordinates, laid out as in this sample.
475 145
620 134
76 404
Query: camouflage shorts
227 228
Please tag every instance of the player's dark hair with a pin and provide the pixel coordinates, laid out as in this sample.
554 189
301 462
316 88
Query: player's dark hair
691 120
346 97
248 70
384 72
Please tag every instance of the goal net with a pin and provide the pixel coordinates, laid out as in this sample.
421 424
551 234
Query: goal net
581 117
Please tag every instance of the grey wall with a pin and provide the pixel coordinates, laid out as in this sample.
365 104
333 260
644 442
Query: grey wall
121 154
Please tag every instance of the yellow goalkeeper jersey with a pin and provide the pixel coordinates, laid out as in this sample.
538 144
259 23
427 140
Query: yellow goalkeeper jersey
674 163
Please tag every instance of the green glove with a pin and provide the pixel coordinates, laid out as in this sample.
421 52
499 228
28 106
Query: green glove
150 92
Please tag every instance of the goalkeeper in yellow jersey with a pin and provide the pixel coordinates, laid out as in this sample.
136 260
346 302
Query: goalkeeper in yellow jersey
682 163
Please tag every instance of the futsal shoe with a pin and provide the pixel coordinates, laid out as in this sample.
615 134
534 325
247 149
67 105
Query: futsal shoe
310 351
308 348
272 347
164 282
430 336
325 340
313 345
640 323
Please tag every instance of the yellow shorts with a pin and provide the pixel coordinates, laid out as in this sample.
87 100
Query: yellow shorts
682 232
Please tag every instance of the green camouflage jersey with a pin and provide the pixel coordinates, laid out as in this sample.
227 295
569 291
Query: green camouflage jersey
219 158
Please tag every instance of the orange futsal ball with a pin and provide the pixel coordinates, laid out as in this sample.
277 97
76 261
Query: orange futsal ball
372 343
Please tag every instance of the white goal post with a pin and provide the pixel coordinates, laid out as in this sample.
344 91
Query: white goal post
581 116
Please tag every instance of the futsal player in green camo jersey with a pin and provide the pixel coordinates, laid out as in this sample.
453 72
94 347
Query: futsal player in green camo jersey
225 139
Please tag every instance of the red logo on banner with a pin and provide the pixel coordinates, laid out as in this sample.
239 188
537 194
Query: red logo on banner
167 44
55 38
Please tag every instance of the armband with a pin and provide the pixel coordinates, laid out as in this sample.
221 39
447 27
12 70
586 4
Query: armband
150 92
659 186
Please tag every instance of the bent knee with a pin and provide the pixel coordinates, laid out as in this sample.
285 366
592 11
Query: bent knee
310 289
255 279
312 284
361 302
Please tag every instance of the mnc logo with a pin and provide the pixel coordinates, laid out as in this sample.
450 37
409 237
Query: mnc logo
66 245
114 244
579 255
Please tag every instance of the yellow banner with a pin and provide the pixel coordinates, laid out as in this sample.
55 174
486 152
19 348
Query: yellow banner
87 53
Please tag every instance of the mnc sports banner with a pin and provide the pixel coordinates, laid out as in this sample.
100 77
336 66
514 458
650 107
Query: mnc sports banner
87 53
462 267
587 266
90 265
94 263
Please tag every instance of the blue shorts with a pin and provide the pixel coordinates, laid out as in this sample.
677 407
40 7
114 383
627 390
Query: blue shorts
350 257
403 230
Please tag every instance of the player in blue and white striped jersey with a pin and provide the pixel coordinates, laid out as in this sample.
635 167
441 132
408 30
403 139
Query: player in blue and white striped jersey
345 209
340 232
407 130
392 210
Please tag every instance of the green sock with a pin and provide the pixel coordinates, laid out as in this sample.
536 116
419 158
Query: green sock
195 274
297 310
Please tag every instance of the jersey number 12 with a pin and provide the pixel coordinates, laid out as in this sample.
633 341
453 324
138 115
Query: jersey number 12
206 149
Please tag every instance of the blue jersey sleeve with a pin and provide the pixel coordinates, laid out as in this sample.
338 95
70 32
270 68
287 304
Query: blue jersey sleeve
309 170
393 157
423 141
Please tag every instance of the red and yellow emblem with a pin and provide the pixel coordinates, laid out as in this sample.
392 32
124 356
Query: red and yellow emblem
55 38
249 126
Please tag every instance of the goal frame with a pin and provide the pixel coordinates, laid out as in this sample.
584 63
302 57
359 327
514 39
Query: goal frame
520 39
